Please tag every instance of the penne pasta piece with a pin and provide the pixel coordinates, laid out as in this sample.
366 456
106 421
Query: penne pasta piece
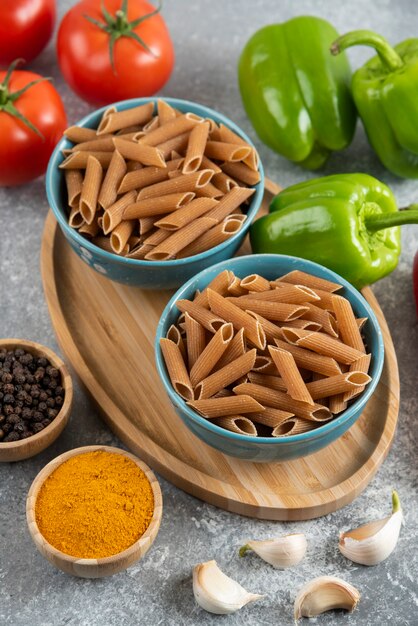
305 324
361 322
151 207
334 385
157 237
235 288
226 134
90 189
79 160
174 335
361 365
230 202
79 134
103 243
280 400
98 144
288 370
347 325
147 155
133 166
223 182
196 339
206 318
75 219
222 151
278 311
90 229
228 405
310 360
242 173
210 239
290 294
235 349
209 191
309 280
224 308
113 214
225 376
293 426
323 318
176 368
179 239
211 354
271 330
134 240
147 223
179 144
120 235
165 111
171 129
267 380
195 148
144 177
139 252
116 120
321 344
153 123
185 182
207 164
255 282
337 404
270 417
237 424
112 180
219 284
194 209
74 183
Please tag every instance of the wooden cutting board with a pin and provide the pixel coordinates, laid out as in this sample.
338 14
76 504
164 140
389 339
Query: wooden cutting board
106 331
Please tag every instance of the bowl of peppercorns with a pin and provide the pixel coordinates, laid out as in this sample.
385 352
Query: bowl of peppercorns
36 394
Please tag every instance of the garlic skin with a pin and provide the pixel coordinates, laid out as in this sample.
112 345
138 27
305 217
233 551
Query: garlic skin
281 552
216 593
325 594
372 543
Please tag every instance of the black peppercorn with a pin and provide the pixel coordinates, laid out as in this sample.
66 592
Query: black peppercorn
50 403
6 378
42 407
42 362
36 428
58 400
8 388
12 436
7 409
8 398
26 413
43 396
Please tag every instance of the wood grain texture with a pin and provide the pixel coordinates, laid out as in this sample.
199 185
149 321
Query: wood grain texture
107 332
26 448
93 568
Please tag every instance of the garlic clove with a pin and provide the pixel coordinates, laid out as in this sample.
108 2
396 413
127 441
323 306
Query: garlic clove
372 543
325 594
281 552
215 592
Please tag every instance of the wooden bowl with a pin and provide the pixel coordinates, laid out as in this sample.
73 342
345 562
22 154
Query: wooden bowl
93 568
25 448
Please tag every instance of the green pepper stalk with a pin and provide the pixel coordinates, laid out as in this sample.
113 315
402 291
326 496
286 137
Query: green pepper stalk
384 91
347 222
296 95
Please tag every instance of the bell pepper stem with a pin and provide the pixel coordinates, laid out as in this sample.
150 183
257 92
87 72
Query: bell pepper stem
387 54
396 503
409 215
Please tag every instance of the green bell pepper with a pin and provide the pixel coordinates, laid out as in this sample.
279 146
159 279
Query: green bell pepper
385 93
347 222
295 93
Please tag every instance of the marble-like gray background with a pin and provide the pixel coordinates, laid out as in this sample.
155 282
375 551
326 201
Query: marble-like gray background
208 37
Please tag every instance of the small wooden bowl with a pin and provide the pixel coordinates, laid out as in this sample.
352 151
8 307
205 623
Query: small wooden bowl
25 448
93 568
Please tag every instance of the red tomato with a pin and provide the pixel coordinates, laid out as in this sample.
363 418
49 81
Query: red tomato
25 28
24 154
84 56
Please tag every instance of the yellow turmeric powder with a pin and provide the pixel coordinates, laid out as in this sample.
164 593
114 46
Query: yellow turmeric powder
95 505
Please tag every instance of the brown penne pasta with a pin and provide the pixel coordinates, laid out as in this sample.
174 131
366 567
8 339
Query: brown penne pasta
321 344
309 280
157 206
185 182
277 311
224 308
113 215
230 202
211 354
310 360
242 173
288 370
90 189
176 368
120 235
180 239
229 405
225 376
347 325
194 209
196 339
237 424
116 120
195 148
79 160
206 318
112 180
230 152
255 282
171 129
147 155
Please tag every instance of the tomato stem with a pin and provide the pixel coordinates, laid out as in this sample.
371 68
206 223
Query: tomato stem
7 97
118 26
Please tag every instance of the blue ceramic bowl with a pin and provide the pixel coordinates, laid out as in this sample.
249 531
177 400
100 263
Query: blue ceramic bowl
264 449
139 273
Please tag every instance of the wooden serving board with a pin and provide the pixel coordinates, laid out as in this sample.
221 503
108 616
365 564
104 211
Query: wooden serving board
107 332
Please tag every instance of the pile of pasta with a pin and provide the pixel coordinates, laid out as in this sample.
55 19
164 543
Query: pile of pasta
158 187
267 358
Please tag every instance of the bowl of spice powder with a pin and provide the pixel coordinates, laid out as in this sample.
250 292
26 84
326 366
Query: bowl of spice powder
36 394
94 511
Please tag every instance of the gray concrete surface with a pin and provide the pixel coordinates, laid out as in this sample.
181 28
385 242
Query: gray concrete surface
208 37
